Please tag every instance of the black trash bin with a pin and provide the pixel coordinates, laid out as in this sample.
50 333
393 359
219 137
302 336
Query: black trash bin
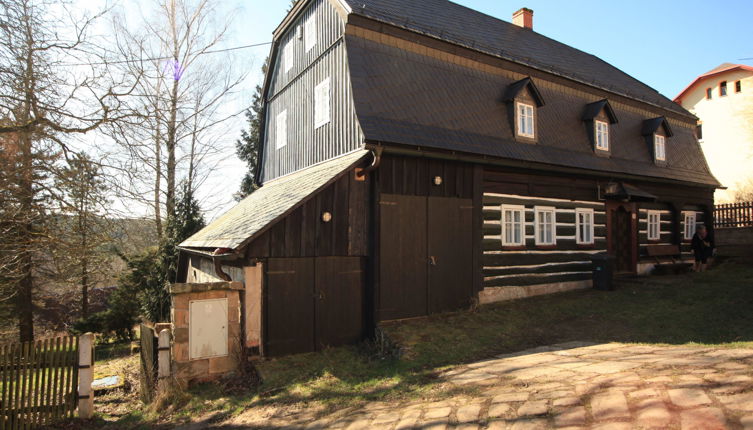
603 271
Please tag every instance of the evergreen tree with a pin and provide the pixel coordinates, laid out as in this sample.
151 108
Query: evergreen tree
247 147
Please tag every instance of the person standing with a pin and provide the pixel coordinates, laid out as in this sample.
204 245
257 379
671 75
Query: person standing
703 248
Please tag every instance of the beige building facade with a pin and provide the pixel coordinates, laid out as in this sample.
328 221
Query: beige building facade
722 99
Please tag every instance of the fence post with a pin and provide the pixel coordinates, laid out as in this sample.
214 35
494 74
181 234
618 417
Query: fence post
163 355
85 376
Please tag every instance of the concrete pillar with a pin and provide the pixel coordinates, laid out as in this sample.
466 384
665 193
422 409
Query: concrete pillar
163 358
85 376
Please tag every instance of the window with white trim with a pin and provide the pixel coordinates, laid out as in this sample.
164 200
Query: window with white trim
584 226
310 33
544 225
654 225
281 129
513 225
602 135
287 56
689 221
660 147
321 103
525 120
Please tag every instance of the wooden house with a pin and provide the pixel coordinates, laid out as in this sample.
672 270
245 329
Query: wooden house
421 156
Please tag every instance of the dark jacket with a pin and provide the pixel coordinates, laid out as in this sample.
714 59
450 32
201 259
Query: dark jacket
702 247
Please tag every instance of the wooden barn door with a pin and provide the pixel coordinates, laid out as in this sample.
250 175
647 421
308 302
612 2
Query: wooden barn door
426 257
290 306
450 257
403 258
339 300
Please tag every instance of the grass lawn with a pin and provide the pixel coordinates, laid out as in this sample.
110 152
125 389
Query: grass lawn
711 308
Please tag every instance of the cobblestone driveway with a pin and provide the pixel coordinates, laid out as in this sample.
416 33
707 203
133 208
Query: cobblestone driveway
577 385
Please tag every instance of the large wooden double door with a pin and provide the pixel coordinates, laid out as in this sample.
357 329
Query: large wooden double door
425 255
312 303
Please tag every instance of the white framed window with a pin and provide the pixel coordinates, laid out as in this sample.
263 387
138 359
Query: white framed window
654 225
689 221
584 226
288 56
660 148
309 37
513 225
525 120
281 129
602 135
321 103
544 225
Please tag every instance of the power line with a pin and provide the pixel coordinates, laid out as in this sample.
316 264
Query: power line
215 51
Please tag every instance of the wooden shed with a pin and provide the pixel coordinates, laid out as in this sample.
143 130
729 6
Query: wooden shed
420 156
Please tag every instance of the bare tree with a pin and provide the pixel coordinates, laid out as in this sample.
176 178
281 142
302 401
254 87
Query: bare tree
51 87
180 101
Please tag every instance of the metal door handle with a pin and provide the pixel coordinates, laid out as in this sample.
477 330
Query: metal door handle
433 260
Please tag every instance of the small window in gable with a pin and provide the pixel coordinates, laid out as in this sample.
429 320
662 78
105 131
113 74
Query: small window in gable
584 226
544 225
322 103
525 120
689 225
602 135
738 86
281 129
723 89
310 33
709 94
288 56
654 225
660 148
513 225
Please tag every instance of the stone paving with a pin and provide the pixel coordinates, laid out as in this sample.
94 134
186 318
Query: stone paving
576 386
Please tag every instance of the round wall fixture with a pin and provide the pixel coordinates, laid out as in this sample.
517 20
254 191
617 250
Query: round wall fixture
326 217
437 180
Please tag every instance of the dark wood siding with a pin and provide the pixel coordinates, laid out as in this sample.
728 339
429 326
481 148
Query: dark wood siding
293 91
303 233
414 176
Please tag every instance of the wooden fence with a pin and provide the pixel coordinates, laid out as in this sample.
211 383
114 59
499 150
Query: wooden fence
38 382
733 215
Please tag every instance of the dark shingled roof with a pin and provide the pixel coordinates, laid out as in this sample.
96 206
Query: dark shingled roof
411 99
460 25
592 110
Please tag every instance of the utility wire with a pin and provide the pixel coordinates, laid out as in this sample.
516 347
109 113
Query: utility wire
215 51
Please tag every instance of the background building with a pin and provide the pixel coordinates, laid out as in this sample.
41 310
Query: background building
722 99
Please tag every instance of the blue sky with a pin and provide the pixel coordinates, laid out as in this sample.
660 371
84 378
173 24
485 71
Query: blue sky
665 44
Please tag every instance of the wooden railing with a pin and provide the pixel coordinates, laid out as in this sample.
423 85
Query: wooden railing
733 215
38 382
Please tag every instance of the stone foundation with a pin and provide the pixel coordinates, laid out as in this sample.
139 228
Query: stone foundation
499 294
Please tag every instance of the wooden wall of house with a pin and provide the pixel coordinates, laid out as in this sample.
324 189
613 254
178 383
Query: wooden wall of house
414 176
303 233
293 91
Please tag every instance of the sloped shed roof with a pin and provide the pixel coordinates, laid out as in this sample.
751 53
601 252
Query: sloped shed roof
269 203
466 27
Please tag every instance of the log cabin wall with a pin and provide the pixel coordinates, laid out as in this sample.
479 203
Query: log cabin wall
530 269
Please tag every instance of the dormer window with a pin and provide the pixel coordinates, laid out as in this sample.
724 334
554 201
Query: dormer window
723 89
657 131
602 135
523 100
525 120
598 117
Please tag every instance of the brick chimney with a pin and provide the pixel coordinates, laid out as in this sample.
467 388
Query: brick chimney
523 18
